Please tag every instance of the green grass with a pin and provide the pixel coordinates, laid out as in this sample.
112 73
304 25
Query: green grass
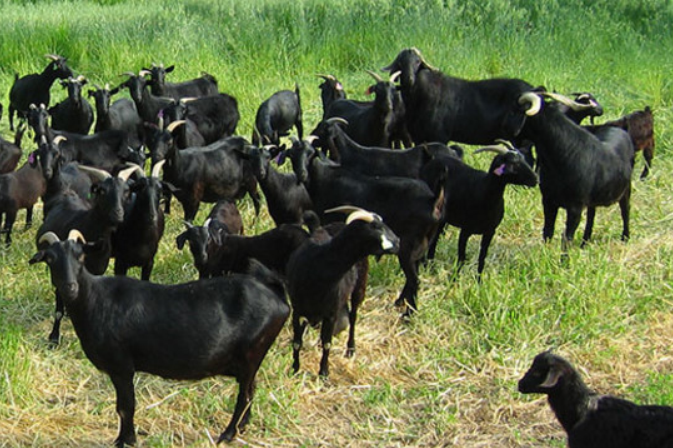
447 378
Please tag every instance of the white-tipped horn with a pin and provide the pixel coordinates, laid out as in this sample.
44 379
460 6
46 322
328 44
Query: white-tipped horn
156 171
355 213
375 76
337 120
80 78
326 77
493 148
128 74
187 100
533 100
95 172
574 105
144 73
311 138
58 139
507 143
207 222
171 127
394 76
48 237
53 57
76 235
126 173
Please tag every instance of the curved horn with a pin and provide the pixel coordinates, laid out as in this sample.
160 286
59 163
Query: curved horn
171 127
338 120
207 222
157 168
493 148
394 76
188 224
534 101
310 139
95 172
128 74
58 139
80 78
574 105
53 57
49 237
326 77
76 235
125 174
188 99
375 76
355 213
507 143
142 73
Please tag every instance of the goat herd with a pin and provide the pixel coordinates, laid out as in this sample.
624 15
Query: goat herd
355 194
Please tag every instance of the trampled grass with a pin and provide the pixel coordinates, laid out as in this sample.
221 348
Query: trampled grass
447 378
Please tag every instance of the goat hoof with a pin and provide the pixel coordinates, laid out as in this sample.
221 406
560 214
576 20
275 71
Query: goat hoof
399 302
227 436
350 352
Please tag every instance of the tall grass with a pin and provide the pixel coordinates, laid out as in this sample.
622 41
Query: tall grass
446 378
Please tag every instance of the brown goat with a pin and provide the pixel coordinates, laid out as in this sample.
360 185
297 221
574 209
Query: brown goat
640 126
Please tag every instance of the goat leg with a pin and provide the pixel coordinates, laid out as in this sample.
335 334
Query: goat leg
588 229
123 384
299 326
486 239
55 334
625 208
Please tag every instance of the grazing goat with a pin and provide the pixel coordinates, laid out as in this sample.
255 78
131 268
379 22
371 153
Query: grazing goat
73 114
474 199
34 88
10 153
411 207
213 117
321 276
208 174
592 420
370 124
640 126
18 190
578 169
136 240
121 115
206 240
286 197
440 108
276 116
96 221
190 331
203 86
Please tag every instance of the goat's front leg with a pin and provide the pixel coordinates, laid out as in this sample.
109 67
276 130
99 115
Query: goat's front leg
298 325
550 213
126 405
326 332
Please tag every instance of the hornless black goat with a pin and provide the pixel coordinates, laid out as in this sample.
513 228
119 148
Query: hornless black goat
121 115
221 326
18 190
330 91
136 240
286 197
214 117
205 85
578 169
411 207
73 114
440 108
321 276
206 240
34 88
376 161
96 221
10 153
369 124
473 199
276 116
592 420
208 174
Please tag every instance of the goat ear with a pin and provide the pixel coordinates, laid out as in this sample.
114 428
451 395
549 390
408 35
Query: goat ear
37 258
181 240
90 93
170 68
553 375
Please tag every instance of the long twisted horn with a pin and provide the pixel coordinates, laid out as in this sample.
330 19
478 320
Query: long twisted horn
355 213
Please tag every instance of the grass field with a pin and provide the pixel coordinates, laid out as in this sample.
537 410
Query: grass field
447 378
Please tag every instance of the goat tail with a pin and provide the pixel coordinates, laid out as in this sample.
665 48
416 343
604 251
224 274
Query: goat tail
269 278
296 91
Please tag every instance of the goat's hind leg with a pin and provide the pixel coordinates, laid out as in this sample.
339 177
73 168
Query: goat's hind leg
589 227
625 208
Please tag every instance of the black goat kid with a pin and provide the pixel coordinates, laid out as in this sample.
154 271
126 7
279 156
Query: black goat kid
592 420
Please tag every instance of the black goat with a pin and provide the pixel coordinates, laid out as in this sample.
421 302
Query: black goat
376 161
592 420
73 114
149 106
276 116
121 114
10 153
136 240
286 197
370 124
208 174
474 199
34 88
18 190
205 241
412 208
203 86
330 91
214 117
96 221
221 326
321 276
578 169
440 108
107 150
